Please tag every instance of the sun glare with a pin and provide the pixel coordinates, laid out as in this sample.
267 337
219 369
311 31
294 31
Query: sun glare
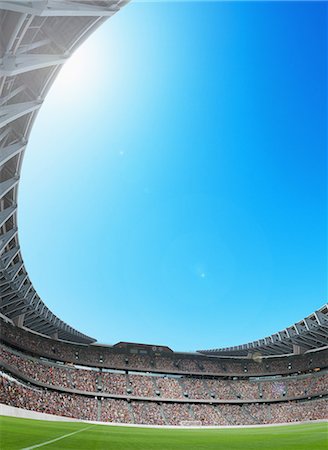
79 70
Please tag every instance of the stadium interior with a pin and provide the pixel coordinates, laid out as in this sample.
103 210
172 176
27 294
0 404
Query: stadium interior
49 367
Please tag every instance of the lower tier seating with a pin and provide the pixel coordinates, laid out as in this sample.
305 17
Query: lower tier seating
16 393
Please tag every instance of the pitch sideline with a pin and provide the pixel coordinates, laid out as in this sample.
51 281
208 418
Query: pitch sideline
56 439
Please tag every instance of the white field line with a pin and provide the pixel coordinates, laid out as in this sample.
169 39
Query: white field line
57 439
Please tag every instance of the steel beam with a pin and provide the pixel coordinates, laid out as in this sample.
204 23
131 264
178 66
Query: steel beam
9 113
7 186
8 257
6 238
6 214
61 8
11 65
8 152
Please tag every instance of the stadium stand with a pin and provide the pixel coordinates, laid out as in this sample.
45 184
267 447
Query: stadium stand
115 384
16 393
123 358
148 385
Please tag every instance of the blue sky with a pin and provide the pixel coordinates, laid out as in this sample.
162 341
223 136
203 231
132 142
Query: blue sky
174 190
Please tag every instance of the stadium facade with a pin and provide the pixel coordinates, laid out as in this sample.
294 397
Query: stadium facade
49 366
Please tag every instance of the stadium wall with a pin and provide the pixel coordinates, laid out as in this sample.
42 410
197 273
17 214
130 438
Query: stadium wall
12 411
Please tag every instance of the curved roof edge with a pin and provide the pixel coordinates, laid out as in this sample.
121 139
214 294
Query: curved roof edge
307 334
37 38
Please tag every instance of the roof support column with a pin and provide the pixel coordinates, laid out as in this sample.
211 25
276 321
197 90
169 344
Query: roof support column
19 320
298 350
54 335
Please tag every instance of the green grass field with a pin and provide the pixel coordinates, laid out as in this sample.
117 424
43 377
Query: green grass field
30 434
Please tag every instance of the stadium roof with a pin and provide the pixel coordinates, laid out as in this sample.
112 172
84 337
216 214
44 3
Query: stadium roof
37 37
307 334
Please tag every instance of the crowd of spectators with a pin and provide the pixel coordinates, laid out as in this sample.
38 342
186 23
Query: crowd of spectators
195 388
147 413
308 386
252 414
50 374
209 415
276 389
51 402
175 413
113 358
141 385
148 385
116 411
220 390
114 383
246 389
169 387
15 393
291 387
235 414
84 379
302 411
